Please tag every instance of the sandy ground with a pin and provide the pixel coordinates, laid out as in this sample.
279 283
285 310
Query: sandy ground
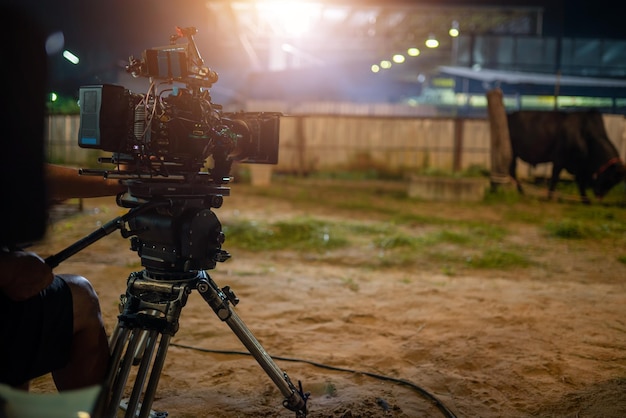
368 343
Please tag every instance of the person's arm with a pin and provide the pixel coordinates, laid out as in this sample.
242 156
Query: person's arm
66 183
24 274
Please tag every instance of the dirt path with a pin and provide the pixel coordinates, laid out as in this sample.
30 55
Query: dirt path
547 343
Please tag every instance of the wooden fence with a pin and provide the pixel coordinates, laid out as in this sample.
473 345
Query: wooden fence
310 143
62 142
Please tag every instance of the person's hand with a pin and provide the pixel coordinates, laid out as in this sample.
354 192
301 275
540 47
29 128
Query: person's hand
23 274
66 183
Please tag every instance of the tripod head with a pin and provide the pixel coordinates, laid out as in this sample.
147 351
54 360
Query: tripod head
171 226
179 233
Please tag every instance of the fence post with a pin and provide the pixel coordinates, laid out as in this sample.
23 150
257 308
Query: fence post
500 141
301 146
457 162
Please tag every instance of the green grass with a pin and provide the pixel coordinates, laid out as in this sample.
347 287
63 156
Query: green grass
302 234
383 228
585 222
568 229
499 259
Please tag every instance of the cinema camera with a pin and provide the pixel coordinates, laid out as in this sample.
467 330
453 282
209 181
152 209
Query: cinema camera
170 135
161 147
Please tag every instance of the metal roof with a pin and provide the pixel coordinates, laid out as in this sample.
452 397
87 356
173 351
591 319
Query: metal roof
515 77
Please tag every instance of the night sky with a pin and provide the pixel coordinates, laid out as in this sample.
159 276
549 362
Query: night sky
115 29
140 20
568 18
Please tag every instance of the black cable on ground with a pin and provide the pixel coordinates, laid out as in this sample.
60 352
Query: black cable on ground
446 412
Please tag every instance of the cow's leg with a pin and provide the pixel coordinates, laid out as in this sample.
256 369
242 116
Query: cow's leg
582 190
556 172
513 174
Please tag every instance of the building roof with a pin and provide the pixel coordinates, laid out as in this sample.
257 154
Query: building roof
533 83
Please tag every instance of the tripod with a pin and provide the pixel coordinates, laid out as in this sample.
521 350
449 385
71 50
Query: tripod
178 238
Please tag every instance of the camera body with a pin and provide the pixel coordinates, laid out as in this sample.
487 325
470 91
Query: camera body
170 133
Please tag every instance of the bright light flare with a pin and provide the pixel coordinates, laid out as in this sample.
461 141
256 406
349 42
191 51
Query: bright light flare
291 17
70 57
385 64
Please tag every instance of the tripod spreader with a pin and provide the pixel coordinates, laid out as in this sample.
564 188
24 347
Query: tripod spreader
295 399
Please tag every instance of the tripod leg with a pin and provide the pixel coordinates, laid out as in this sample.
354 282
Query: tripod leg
157 368
126 348
122 369
295 399
116 343
147 343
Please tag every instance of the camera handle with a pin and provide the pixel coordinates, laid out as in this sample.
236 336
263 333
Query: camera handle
106 229
150 312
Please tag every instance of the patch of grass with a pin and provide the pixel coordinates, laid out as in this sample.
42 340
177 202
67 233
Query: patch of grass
453 237
389 242
567 229
448 270
298 234
596 213
588 222
460 237
351 284
464 233
531 212
360 228
600 222
247 234
622 259
396 259
417 219
487 231
500 196
498 259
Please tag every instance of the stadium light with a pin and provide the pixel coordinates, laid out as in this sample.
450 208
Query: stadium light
454 29
413 52
432 42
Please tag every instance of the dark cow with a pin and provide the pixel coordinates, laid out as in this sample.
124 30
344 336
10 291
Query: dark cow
574 141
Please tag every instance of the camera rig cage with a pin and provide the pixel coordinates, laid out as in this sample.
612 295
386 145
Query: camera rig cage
171 135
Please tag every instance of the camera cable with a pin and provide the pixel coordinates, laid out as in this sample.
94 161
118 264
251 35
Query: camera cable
444 410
